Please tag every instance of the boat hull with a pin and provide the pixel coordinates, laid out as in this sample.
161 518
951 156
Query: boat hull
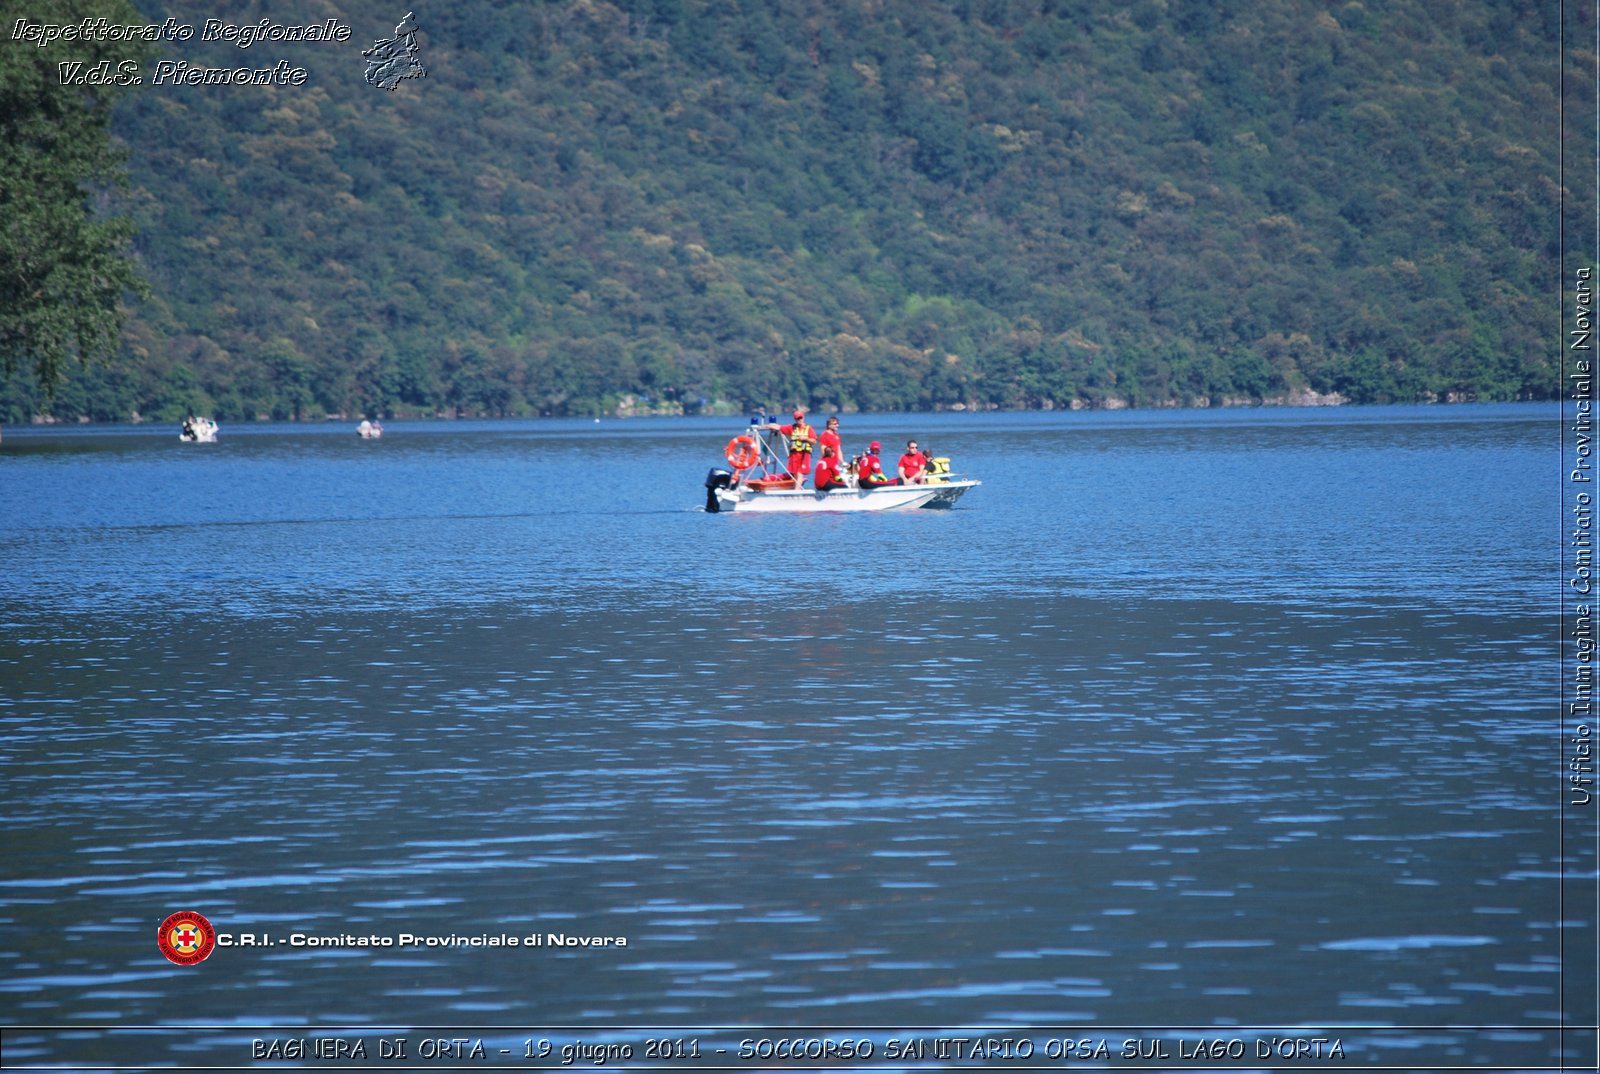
887 498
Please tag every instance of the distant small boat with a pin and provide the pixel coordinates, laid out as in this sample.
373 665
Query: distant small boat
198 431
369 430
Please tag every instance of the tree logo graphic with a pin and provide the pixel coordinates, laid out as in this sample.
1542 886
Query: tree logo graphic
395 58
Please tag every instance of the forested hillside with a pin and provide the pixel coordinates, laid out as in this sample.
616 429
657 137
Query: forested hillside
878 204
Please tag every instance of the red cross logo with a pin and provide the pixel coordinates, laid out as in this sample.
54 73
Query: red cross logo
186 938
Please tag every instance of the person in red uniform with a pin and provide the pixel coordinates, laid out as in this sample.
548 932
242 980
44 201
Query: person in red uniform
869 471
829 438
827 474
802 441
912 465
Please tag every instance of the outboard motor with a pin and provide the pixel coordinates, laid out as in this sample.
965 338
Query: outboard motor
717 479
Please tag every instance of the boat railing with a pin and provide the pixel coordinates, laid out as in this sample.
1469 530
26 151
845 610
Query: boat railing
772 450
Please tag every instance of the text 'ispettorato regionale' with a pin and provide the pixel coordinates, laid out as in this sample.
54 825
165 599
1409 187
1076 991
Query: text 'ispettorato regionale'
179 72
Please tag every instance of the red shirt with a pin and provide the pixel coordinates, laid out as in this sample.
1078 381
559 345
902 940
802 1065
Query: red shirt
870 471
830 438
911 465
827 473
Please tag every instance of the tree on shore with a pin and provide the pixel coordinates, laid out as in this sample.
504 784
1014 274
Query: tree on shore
64 261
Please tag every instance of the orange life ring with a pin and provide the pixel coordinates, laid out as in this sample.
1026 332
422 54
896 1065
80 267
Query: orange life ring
743 453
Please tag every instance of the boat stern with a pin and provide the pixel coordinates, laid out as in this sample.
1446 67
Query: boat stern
949 492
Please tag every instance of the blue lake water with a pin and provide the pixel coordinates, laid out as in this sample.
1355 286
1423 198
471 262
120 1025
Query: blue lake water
1240 719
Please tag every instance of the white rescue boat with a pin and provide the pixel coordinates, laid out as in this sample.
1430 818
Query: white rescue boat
746 497
760 481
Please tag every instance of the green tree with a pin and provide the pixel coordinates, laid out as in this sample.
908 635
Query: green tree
64 264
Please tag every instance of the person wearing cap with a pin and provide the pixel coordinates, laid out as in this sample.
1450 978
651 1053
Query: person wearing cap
802 439
912 465
869 470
